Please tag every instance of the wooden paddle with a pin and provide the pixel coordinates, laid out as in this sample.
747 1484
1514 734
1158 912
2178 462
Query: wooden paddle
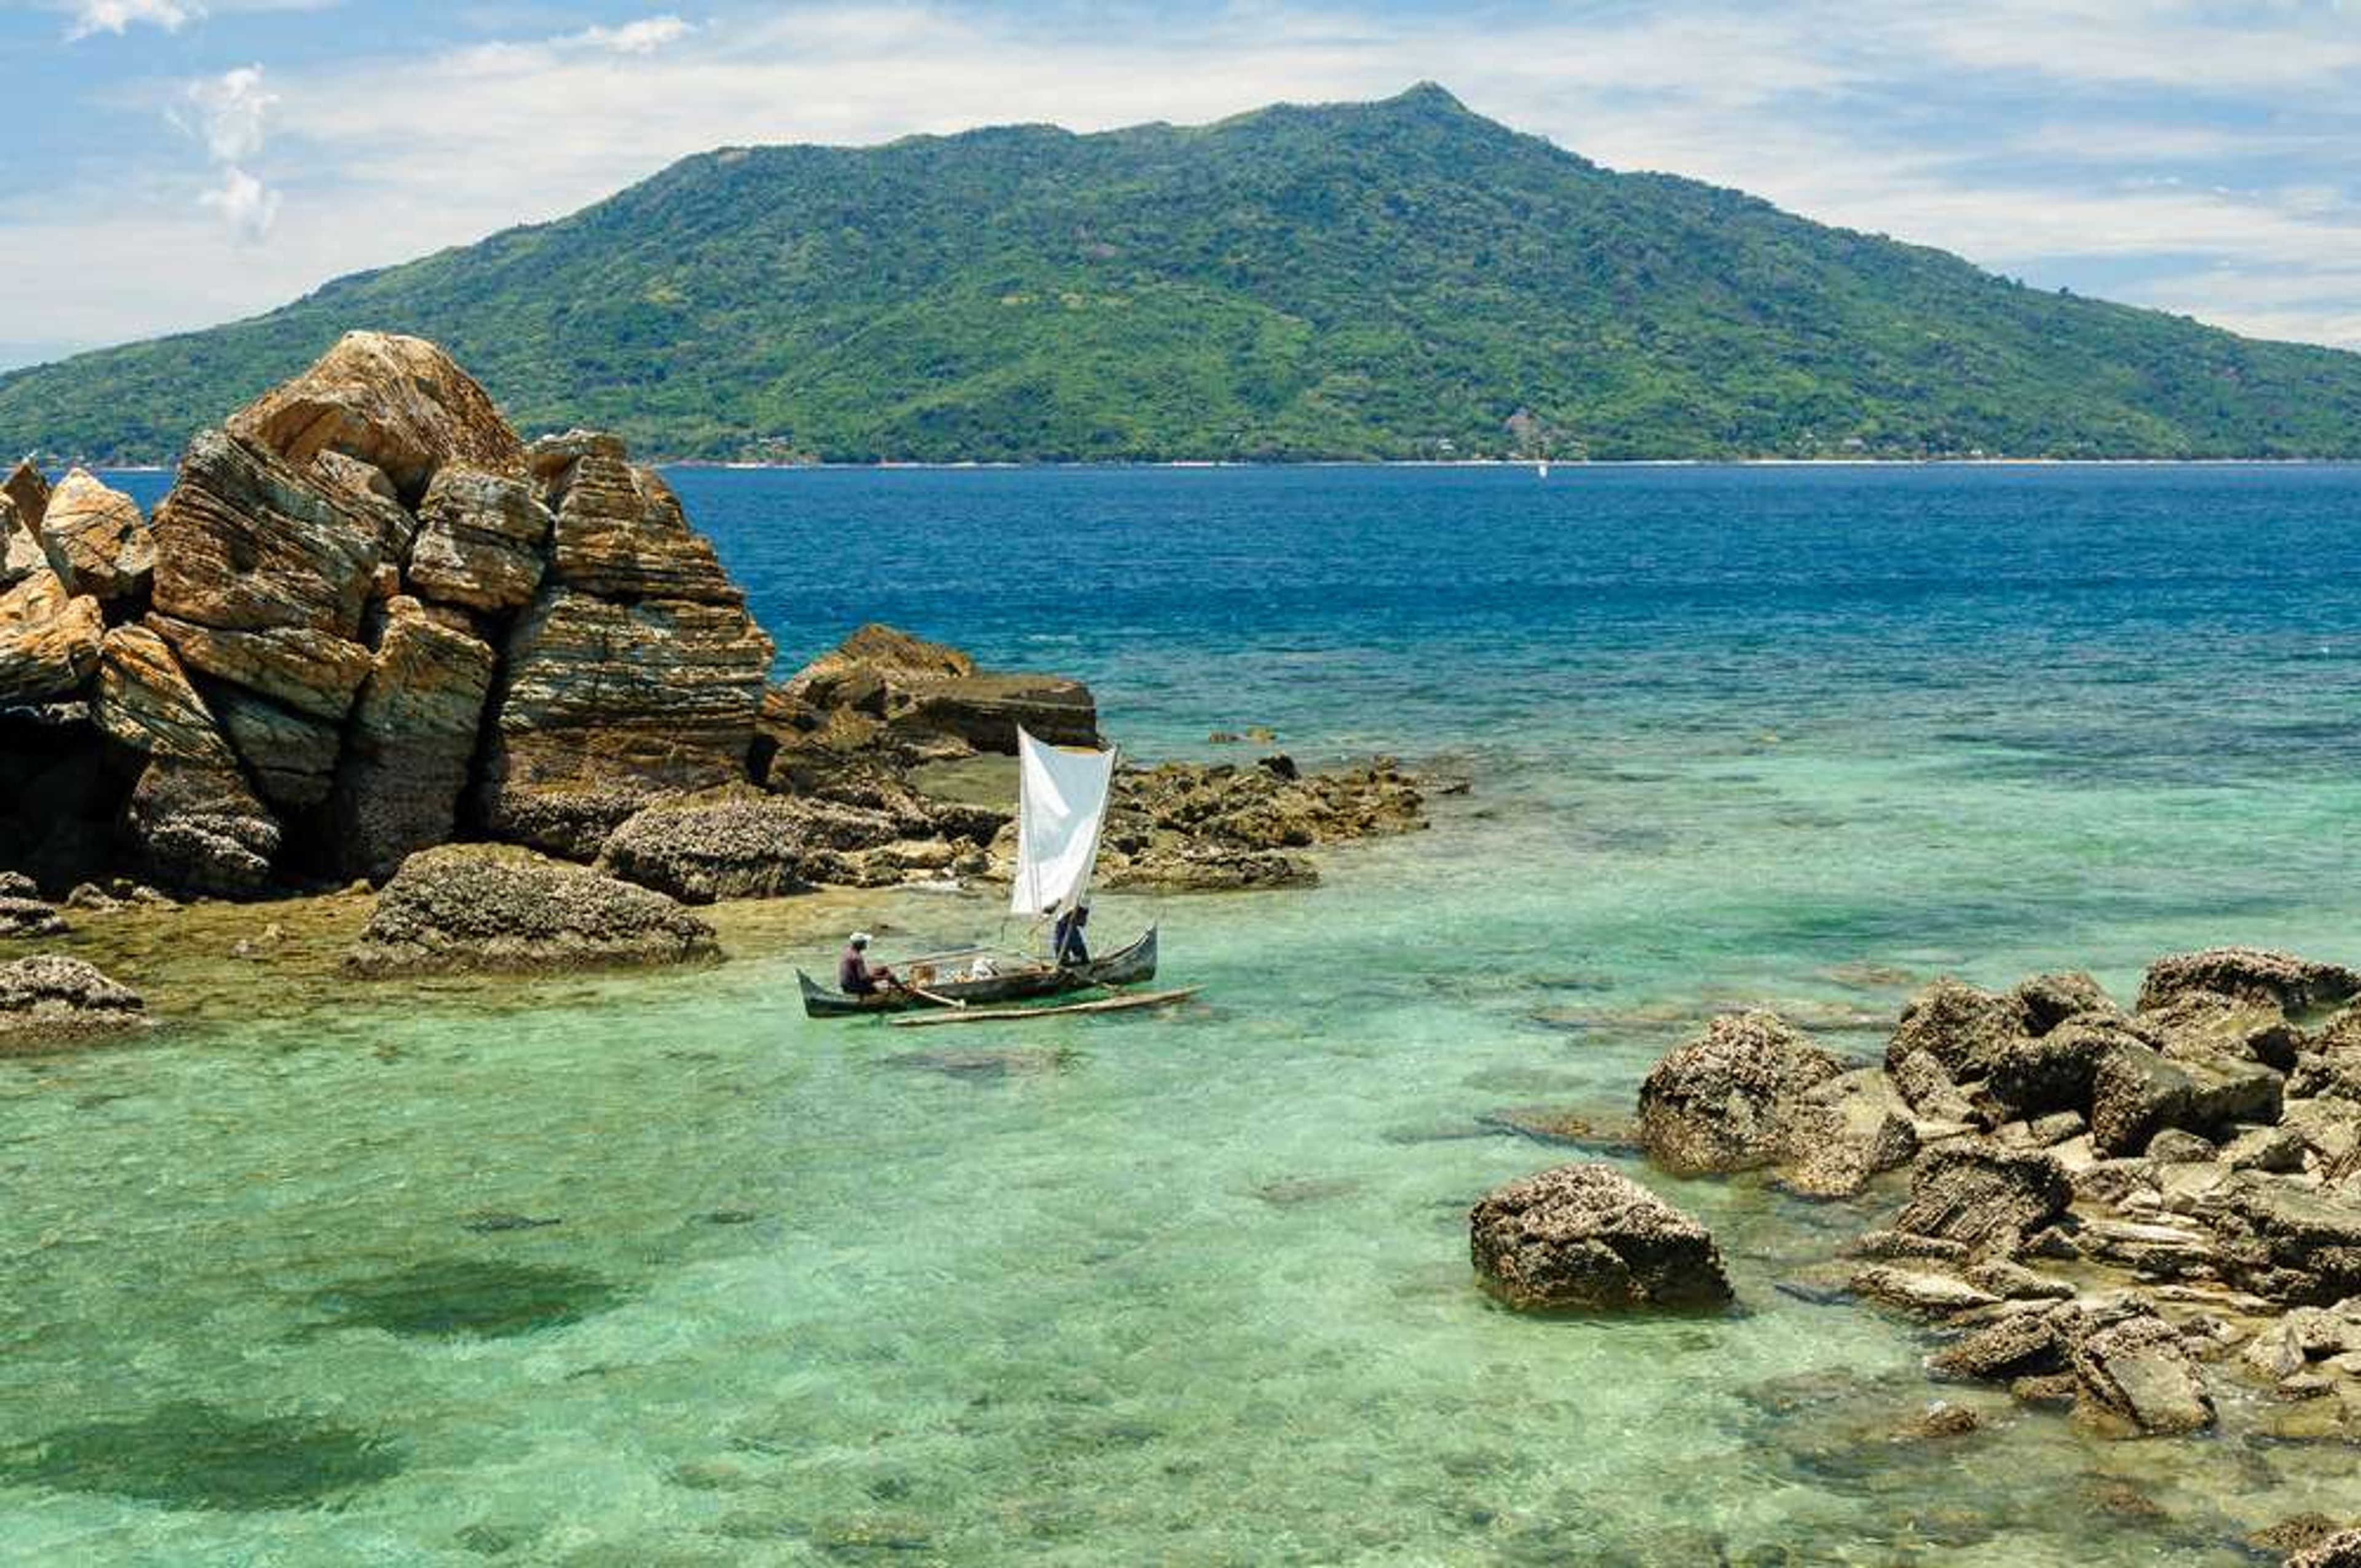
922 991
1006 1015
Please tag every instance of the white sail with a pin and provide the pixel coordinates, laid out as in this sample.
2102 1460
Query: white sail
1061 804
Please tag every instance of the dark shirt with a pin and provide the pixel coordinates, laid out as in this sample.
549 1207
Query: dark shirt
853 976
1068 942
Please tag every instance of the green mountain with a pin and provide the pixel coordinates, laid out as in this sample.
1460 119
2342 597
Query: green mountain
1391 279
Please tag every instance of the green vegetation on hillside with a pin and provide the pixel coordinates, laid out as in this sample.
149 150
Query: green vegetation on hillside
1395 279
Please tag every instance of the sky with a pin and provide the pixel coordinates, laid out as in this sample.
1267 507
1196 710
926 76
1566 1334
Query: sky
167 164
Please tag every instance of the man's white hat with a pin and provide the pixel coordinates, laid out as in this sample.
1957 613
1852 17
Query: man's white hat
859 938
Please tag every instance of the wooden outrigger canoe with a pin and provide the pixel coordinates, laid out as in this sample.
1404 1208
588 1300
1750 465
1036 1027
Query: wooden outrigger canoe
1125 966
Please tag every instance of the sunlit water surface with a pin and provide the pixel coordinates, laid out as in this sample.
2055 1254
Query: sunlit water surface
652 1270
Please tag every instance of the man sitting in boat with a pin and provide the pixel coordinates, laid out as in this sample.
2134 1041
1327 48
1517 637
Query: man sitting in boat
1068 944
853 975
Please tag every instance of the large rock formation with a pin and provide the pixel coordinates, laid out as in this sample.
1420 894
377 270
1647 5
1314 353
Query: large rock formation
96 540
1586 1235
474 906
48 639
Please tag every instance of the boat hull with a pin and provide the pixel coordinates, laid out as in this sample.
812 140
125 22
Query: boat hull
1125 966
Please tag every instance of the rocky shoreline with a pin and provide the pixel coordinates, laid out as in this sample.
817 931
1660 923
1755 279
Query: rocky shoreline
2149 1217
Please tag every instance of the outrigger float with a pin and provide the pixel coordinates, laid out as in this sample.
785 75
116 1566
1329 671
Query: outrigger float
1061 811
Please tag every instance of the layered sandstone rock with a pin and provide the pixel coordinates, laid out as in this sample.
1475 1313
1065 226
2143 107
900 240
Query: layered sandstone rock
480 541
413 731
400 404
27 490
48 639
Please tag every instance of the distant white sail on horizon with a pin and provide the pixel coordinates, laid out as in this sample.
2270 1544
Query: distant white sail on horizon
1060 808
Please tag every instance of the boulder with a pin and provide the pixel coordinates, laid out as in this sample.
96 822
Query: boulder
97 541
859 672
480 542
2022 1343
2249 974
2287 1240
365 486
1989 1198
745 847
309 670
2039 1075
603 708
1923 1082
47 1000
620 533
2138 1370
922 689
413 731
487 908
398 403
144 700
20 548
1962 1028
1926 1291
2275 1149
2330 1127
1586 1235
27 490
23 913
48 639
2199 1027
245 542
1727 1101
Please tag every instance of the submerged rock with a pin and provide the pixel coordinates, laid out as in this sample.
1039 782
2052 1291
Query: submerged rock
47 1000
481 907
1586 1235
2139 1370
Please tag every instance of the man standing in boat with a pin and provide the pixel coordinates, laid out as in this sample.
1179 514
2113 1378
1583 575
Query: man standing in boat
1072 951
853 975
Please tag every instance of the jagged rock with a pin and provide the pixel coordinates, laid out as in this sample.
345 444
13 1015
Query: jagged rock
290 756
2284 1240
246 542
1959 1027
1923 1082
24 914
620 533
485 907
1989 1198
2173 1147
2136 1092
399 403
2330 1127
46 1000
367 488
310 671
604 708
48 639
2046 1000
2015 1282
199 829
96 539
2275 1149
2200 1027
2037 1075
742 846
862 671
413 728
27 490
1586 1235
2249 974
1845 1130
1727 1100
2140 1371
480 544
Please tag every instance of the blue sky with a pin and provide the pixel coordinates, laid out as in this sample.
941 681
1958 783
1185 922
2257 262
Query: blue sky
172 163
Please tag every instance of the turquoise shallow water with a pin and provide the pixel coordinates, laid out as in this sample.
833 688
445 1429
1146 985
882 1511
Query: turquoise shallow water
1195 1289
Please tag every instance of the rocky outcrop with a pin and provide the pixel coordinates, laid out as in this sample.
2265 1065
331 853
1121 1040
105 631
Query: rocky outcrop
1727 1100
925 695
400 404
96 540
603 707
753 846
483 907
620 533
26 492
47 1000
247 542
1588 1237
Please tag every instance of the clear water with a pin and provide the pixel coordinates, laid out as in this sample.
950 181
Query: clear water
1195 1290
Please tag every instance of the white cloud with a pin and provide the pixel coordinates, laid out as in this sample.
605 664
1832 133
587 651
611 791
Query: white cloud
227 113
244 204
644 36
119 17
